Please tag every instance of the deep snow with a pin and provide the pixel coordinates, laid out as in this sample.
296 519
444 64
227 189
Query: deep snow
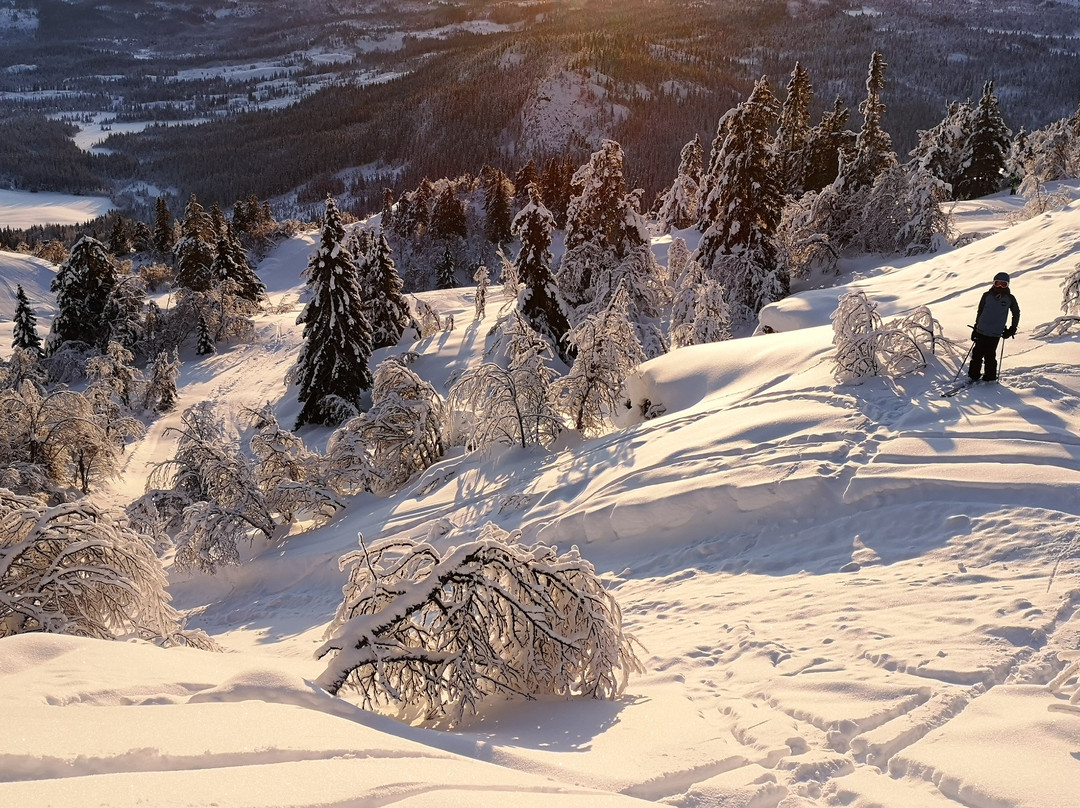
847 594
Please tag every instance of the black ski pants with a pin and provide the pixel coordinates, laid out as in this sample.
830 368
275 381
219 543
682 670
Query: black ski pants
984 350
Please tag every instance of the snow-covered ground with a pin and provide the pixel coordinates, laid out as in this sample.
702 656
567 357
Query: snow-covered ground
846 595
23 209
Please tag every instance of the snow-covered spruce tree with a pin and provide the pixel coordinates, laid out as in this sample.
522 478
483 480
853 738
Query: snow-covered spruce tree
539 300
24 333
827 144
204 341
159 395
982 164
289 475
119 240
82 286
125 310
699 313
332 370
401 435
607 352
448 220
873 146
867 347
498 198
225 503
742 211
556 187
940 150
679 209
793 131
231 264
386 306
436 634
482 277
511 405
902 211
113 374
195 250
78 569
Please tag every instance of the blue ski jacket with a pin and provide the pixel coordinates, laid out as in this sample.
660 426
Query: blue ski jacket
994 309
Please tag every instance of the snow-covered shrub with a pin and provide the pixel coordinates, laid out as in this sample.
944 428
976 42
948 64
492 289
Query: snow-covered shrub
226 503
1070 304
78 569
865 346
399 436
438 633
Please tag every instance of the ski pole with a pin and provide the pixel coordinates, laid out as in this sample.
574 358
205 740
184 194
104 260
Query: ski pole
1001 357
964 360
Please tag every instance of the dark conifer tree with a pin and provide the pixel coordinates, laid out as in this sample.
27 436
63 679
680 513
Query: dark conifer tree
387 208
444 271
538 299
498 195
526 176
448 220
82 286
119 238
163 226
556 187
386 306
873 146
982 169
194 253
24 334
332 370
825 144
141 238
204 342
793 130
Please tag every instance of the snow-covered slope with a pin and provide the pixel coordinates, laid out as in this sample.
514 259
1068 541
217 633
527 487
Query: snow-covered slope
846 594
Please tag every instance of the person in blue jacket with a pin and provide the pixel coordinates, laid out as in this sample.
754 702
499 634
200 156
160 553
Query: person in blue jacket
995 306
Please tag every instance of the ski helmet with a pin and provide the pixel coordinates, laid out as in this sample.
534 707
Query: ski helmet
1002 276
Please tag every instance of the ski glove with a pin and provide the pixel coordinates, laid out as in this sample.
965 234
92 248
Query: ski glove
974 335
1009 332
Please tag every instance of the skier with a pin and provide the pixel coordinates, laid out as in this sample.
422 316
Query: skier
994 308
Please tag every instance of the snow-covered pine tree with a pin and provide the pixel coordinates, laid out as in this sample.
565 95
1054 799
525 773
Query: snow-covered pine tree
873 145
163 227
742 212
539 300
526 176
401 435
941 148
793 131
119 241
232 264
386 307
444 271
556 187
982 164
439 633
679 209
608 350
498 198
699 313
828 143
82 286
195 250
160 392
124 310
24 332
332 369
204 341
482 276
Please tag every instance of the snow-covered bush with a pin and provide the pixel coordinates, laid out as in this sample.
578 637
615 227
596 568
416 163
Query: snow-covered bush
78 569
865 346
438 633
1070 304
400 435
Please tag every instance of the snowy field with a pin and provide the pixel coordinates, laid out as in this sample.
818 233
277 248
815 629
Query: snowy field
846 595
23 209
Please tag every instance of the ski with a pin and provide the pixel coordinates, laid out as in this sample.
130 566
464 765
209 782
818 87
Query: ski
952 391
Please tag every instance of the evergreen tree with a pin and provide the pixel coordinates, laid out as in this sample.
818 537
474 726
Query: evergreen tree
82 286
982 169
825 145
448 217
873 146
142 239
204 341
119 238
196 248
498 193
444 271
679 208
527 175
332 369
24 334
539 301
163 227
385 303
556 187
940 150
482 277
743 210
793 130
160 395
248 284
